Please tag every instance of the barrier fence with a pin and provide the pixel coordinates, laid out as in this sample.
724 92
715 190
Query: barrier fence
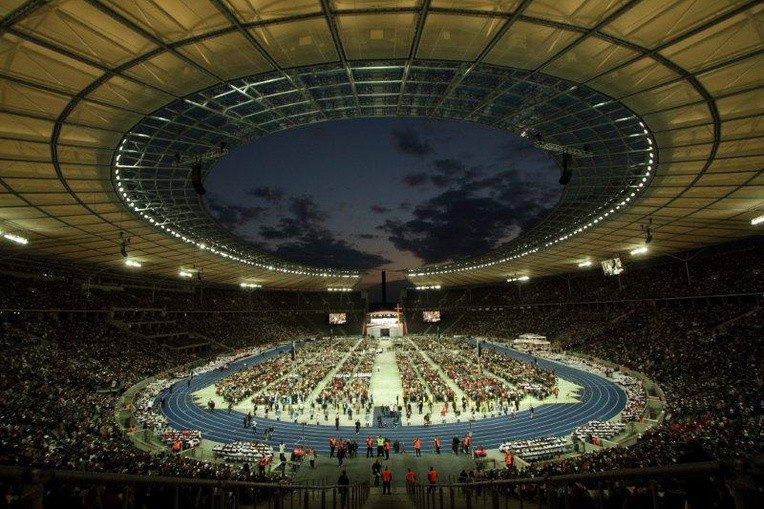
657 487
603 489
34 488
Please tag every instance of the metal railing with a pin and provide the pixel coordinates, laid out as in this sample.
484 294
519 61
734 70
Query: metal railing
50 488
561 491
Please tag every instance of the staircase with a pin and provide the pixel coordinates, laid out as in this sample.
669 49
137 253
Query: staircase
398 499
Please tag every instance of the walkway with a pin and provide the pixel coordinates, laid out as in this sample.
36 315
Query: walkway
385 382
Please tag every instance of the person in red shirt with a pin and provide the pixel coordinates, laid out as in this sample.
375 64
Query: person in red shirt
410 480
262 464
508 460
332 446
466 443
369 447
386 447
432 478
436 443
418 447
387 478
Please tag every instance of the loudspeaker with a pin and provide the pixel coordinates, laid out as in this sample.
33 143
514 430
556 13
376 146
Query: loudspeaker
196 179
567 174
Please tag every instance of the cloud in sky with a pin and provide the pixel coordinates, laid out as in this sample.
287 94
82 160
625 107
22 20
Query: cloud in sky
379 209
375 193
415 179
299 235
233 216
321 248
475 214
269 194
442 173
407 141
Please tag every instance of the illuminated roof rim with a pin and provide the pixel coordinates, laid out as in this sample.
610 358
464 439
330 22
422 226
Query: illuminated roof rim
215 238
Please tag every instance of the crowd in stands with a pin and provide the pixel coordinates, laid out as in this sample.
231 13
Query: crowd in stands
45 292
710 274
58 402
707 358
239 330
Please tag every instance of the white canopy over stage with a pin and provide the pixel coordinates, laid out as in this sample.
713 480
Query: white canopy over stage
529 339
385 324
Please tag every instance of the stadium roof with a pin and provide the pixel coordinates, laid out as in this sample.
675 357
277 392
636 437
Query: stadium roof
107 106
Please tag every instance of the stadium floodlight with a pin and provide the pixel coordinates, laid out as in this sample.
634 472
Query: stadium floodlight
132 263
15 238
521 278
587 263
185 273
429 287
250 285
638 251
339 289
757 220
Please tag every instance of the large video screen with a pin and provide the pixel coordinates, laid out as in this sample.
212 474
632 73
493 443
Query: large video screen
430 316
612 267
338 318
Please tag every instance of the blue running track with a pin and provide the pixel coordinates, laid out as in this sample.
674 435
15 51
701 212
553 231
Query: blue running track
601 399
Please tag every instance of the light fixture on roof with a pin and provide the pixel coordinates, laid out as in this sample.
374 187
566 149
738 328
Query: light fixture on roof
185 273
648 230
566 173
638 251
587 263
15 238
132 263
757 220
427 287
250 285
339 289
518 278
124 241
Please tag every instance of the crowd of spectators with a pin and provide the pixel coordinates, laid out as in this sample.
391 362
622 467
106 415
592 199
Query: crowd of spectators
537 448
708 360
240 451
251 381
414 387
239 330
349 386
439 389
709 274
491 383
594 431
307 385
45 291
58 403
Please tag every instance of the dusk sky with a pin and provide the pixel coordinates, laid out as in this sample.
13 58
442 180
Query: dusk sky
382 194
